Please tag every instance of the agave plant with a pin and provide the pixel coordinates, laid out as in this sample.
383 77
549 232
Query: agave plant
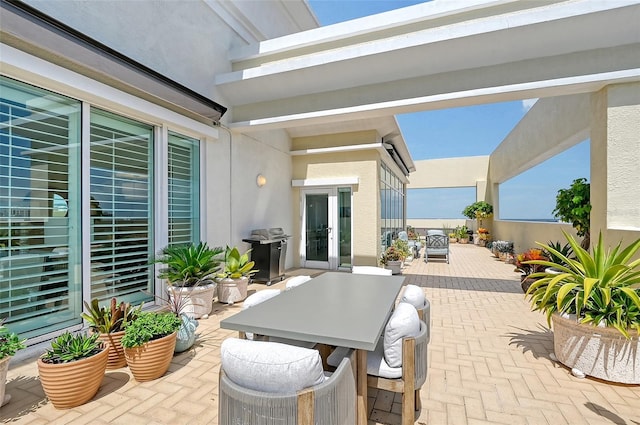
69 348
236 265
565 250
189 265
599 288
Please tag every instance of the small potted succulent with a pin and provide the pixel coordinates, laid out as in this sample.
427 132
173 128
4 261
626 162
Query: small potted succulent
109 322
72 370
10 343
233 280
190 270
149 343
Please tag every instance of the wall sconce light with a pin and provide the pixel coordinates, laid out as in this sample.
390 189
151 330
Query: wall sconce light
261 180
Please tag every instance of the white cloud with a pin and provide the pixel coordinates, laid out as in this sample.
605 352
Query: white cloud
528 103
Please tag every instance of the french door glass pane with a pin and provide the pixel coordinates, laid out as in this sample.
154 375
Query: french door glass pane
40 252
184 189
344 219
317 227
121 207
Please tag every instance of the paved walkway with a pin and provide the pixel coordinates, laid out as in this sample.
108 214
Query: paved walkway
488 363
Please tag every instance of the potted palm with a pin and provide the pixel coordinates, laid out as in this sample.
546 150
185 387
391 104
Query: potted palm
233 280
10 343
72 370
593 301
190 270
109 322
149 343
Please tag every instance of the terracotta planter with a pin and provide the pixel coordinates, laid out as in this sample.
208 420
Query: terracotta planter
232 290
72 384
151 360
463 240
116 352
453 240
4 367
601 352
198 300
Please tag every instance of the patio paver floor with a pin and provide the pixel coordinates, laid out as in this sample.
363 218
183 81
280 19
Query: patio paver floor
488 364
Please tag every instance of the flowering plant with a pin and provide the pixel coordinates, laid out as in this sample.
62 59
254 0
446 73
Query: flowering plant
391 254
483 230
529 255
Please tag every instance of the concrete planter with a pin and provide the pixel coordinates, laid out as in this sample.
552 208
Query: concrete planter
4 367
601 352
151 360
394 266
232 290
72 384
198 300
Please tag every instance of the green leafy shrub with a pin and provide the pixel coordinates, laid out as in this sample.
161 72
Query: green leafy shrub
10 343
573 206
602 287
112 318
403 247
149 326
480 209
70 348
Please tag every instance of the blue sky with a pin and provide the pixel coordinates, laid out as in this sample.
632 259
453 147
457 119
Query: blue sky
468 131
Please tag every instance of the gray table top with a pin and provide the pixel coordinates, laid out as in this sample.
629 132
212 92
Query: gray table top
342 309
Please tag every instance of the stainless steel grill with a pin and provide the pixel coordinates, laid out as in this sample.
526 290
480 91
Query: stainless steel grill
269 251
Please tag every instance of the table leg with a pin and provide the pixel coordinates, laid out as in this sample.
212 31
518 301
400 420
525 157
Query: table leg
361 373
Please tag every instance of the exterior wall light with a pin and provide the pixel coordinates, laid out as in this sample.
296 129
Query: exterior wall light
261 180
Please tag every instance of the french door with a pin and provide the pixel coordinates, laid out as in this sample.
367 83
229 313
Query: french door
326 228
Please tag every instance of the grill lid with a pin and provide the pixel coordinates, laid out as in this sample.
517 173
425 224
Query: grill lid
274 233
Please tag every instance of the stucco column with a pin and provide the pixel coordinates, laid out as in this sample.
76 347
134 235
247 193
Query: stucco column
615 159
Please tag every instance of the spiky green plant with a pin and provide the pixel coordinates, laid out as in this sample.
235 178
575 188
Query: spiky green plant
565 250
601 287
69 348
236 265
189 265
112 318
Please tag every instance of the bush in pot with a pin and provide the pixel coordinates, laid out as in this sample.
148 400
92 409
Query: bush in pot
526 269
149 343
109 322
10 343
594 303
392 259
72 370
190 270
186 336
233 280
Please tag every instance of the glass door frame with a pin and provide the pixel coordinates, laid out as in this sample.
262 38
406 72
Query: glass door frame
332 227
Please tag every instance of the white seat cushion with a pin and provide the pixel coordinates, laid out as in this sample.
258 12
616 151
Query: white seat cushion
376 364
271 367
370 270
404 322
296 281
414 295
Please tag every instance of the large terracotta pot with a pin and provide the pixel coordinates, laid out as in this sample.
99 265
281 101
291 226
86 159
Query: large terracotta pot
116 352
151 360
601 352
4 367
72 384
232 290
198 300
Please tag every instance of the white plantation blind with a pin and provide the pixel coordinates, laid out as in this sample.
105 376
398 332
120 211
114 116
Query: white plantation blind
121 207
184 190
39 153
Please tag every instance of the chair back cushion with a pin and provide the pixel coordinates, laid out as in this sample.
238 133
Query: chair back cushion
404 322
435 232
297 281
414 295
271 367
258 297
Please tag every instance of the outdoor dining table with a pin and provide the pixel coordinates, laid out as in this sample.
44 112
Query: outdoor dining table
335 308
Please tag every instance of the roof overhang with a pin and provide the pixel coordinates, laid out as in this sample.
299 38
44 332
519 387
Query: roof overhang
29 30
